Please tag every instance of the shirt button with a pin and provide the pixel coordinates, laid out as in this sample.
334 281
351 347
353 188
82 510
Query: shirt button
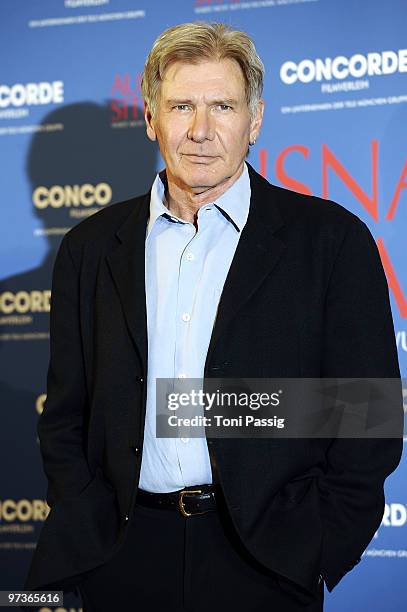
184 440
190 256
182 375
186 316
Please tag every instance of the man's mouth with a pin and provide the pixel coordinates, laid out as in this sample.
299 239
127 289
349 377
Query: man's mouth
197 157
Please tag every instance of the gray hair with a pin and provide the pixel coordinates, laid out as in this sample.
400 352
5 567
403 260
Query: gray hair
197 42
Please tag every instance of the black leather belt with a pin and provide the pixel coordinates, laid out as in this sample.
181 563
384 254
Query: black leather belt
198 499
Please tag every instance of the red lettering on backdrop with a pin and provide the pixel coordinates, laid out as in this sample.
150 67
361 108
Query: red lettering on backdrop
122 85
392 279
263 162
127 102
123 111
119 112
402 184
281 174
369 203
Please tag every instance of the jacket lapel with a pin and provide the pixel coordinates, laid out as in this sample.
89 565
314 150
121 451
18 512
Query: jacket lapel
256 255
127 266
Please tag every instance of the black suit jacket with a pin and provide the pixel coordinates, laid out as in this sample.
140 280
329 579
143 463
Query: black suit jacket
306 296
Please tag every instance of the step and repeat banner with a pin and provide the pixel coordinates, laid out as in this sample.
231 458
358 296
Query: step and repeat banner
72 141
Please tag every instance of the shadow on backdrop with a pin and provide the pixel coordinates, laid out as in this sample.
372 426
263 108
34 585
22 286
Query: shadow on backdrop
88 150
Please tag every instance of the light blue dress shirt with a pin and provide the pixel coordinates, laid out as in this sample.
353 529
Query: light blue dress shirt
185 272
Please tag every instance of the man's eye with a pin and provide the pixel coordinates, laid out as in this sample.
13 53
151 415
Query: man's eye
224 107
182 107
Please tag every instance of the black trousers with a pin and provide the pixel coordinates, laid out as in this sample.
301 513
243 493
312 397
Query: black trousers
173 563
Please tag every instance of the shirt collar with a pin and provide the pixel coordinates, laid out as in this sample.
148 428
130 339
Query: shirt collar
233 204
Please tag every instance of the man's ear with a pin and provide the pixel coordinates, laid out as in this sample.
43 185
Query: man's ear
149 123
256 122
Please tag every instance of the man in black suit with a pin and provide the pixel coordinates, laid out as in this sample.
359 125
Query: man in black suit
299 291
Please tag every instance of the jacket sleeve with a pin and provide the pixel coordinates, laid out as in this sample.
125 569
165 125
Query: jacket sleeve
359 342
61 424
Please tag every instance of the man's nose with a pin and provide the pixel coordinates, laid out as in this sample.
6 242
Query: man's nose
202 127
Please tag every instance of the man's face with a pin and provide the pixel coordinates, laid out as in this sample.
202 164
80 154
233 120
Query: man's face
202 123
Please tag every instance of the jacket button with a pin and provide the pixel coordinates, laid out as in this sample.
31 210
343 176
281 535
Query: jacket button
126 517
137 450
